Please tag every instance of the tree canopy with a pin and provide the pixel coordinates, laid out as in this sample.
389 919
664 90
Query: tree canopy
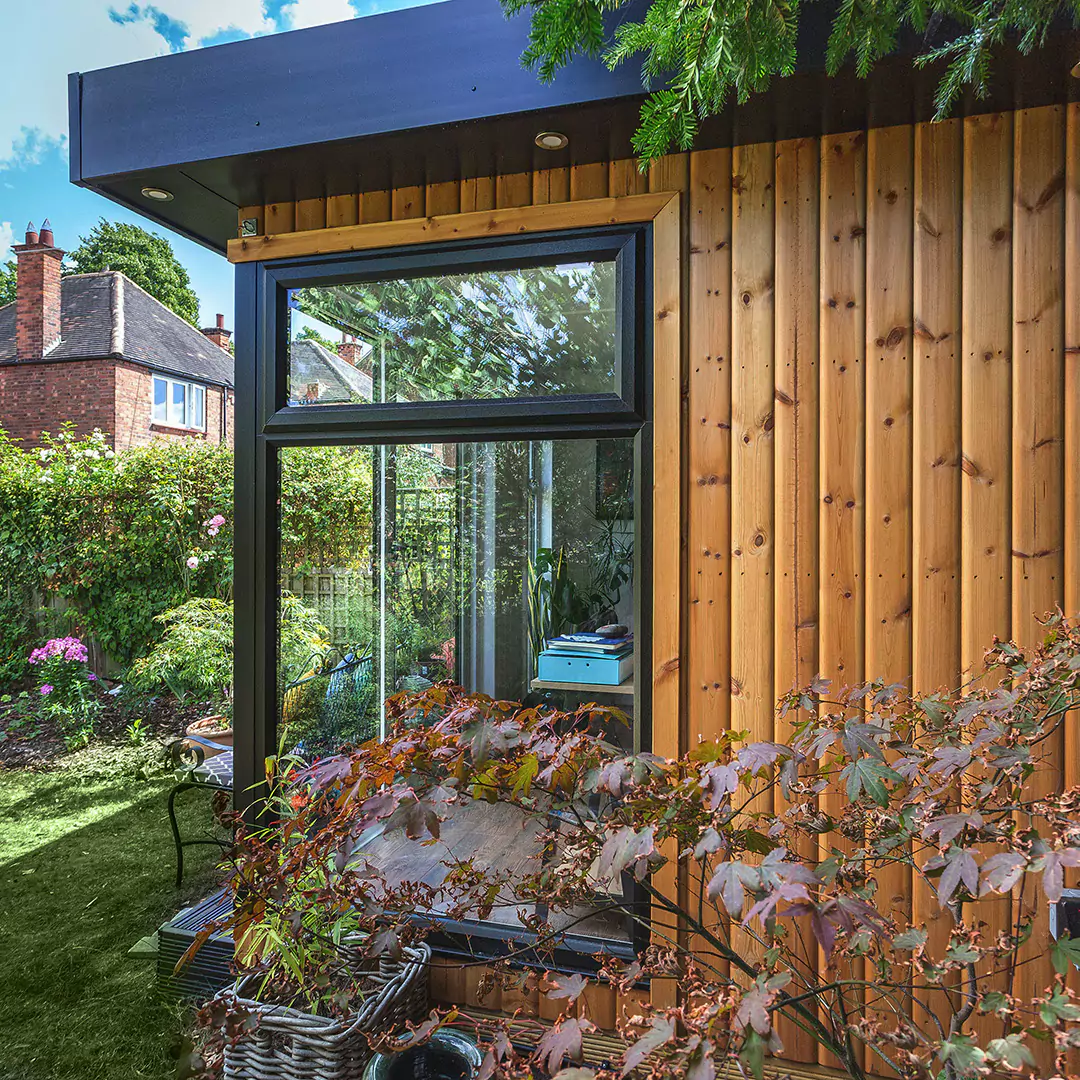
540 331
7 282
144 257
697 56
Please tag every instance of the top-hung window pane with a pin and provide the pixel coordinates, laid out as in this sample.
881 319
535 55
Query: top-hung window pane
537 332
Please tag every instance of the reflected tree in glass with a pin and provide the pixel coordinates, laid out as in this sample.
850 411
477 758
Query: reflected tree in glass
535 332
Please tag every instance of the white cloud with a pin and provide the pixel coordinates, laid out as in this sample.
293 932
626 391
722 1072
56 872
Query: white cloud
7 238
46 39
207 18
303 13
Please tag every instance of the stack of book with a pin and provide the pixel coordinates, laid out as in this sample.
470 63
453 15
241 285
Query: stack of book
588 659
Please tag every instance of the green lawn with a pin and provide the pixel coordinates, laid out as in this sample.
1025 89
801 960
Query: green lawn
86 869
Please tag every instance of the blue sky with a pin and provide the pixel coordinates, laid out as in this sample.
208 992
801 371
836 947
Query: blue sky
47 39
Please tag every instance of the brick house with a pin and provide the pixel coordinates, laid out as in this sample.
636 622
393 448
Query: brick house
98 350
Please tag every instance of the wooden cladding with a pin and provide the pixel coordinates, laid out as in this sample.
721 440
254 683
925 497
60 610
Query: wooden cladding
880 466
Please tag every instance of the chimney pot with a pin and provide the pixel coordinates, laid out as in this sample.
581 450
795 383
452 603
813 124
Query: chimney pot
221 322
31 233
46 239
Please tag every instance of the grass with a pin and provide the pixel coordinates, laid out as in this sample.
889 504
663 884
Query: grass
86 869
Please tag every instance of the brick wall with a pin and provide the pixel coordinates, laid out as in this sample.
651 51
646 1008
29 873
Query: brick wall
215 397
39 396
131 425
114 396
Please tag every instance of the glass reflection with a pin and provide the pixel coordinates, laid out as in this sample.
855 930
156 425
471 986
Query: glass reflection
534 332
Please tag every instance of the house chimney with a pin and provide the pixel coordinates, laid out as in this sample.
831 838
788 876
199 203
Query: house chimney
218 334
37 294
352 352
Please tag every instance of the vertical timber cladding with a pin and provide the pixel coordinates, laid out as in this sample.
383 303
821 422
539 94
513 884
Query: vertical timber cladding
881 467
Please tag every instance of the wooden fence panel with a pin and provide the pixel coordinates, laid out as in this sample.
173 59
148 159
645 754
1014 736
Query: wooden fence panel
1038 440
987 384
752 394
889 217
842 257
936 435
709 446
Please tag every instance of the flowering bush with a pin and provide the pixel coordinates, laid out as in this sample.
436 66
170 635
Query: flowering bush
111 533
126 537
67 688
787 853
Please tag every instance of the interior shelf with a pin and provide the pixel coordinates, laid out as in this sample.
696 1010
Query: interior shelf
626 688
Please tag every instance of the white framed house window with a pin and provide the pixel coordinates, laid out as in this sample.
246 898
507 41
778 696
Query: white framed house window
179 404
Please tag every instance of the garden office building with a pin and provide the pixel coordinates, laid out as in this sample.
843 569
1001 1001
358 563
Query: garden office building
804 399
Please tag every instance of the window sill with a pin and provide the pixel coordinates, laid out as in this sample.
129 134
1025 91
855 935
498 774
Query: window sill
175 429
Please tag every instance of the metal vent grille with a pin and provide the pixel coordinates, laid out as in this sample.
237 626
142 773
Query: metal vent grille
212 967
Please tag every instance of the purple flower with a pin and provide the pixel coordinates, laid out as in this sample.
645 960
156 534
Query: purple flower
69 648
46 690
92 677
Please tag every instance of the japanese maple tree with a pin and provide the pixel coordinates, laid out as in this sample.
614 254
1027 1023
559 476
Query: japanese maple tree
784 919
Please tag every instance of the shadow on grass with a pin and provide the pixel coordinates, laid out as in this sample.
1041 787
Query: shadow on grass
86 869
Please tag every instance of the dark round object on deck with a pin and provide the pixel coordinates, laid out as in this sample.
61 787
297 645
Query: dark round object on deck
449 1055
613 630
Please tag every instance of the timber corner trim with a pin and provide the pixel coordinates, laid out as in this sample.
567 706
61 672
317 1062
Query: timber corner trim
477 225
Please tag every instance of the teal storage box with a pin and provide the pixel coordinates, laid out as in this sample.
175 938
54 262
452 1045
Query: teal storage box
576 668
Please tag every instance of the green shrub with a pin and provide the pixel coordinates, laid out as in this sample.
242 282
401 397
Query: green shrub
124 537
128 537
194 657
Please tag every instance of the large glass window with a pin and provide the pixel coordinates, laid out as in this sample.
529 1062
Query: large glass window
449 447
538 331
463 561
409 564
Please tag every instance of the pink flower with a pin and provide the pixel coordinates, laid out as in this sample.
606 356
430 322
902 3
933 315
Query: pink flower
213 526
69 648
46 690
193 563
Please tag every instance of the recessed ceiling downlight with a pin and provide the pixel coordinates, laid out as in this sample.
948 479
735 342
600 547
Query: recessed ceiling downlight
158 194
551 140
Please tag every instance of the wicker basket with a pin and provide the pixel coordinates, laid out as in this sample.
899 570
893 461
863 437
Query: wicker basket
291 1045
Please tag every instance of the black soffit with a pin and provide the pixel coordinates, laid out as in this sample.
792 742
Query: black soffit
438 93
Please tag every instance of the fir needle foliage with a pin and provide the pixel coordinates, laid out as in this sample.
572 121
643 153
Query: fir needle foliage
698 55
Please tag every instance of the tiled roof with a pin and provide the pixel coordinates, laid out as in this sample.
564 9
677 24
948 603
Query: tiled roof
339 381
107 314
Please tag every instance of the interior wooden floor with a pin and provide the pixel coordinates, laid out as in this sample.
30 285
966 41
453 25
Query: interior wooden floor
498 837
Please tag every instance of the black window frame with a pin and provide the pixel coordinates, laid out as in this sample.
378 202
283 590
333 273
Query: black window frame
265 423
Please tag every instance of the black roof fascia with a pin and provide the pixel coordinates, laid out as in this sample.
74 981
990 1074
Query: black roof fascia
438 93
424 67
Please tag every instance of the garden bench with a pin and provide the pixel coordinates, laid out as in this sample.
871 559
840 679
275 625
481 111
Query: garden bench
323 719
